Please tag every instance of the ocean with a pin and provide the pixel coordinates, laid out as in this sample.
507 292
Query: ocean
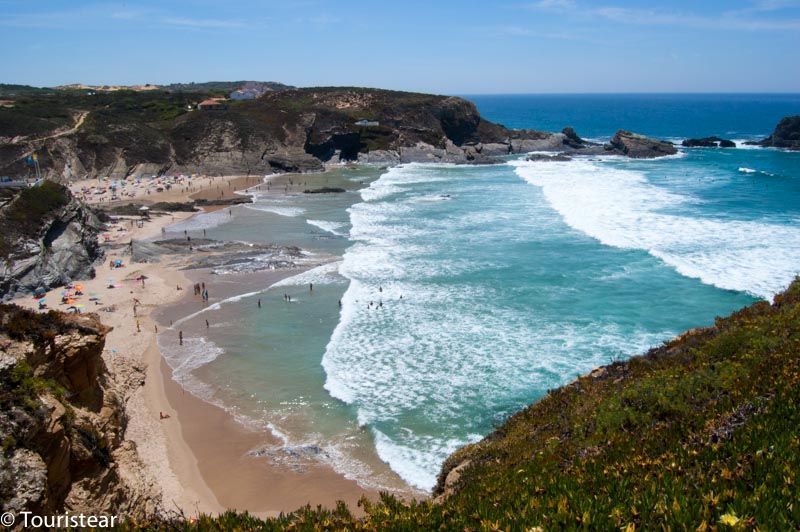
454 296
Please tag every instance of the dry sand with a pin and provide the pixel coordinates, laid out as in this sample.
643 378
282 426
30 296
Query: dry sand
198 456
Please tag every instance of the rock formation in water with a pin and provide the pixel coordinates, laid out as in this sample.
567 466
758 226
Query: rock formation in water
786 135
638 146
708 142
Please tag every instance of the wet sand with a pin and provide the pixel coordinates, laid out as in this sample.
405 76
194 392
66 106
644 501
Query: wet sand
223 473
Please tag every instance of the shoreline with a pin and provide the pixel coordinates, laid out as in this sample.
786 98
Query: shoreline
197 459
207 448
222 446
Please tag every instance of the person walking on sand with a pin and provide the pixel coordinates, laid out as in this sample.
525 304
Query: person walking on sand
206 324
180 337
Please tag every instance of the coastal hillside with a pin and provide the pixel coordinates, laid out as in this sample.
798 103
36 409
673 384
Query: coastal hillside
86 133
699 433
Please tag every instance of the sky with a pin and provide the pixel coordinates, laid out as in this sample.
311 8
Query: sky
440 46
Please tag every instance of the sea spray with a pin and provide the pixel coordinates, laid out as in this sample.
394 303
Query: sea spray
620 208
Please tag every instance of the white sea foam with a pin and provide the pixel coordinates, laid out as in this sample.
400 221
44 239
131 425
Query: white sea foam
418 368
621 208
325 274
334 228
740 144
195 353
204 220
746 170
277 209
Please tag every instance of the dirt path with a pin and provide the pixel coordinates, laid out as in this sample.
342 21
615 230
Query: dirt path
78 123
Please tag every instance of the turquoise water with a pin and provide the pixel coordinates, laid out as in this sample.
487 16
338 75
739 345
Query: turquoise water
467 292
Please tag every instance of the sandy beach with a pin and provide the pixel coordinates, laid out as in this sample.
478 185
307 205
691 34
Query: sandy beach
196 453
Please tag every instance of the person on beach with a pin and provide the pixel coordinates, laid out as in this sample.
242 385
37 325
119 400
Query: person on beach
138 329
310 287
340 303
180 337
259 303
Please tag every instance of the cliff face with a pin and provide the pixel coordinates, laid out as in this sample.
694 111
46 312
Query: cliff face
49 239
61 423
288 130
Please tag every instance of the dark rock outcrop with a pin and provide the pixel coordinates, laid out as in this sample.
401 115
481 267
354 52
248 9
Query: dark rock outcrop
324 190
638 146
708 142
539 157
571 138
61 422
49 239
786 135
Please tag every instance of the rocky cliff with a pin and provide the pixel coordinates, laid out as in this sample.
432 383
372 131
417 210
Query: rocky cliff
62 422
786 134
296 130
49 238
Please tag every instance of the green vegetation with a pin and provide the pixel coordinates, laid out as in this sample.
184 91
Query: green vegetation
20 387
26 325
698 434
25 215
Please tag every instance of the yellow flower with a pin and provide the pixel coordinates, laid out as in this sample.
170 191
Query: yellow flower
729 519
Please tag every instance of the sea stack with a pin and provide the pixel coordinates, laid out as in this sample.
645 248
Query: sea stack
638 146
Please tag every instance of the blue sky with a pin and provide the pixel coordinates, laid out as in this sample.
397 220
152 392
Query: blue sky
457 47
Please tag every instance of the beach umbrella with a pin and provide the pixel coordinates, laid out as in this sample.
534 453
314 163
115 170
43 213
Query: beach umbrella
43 300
